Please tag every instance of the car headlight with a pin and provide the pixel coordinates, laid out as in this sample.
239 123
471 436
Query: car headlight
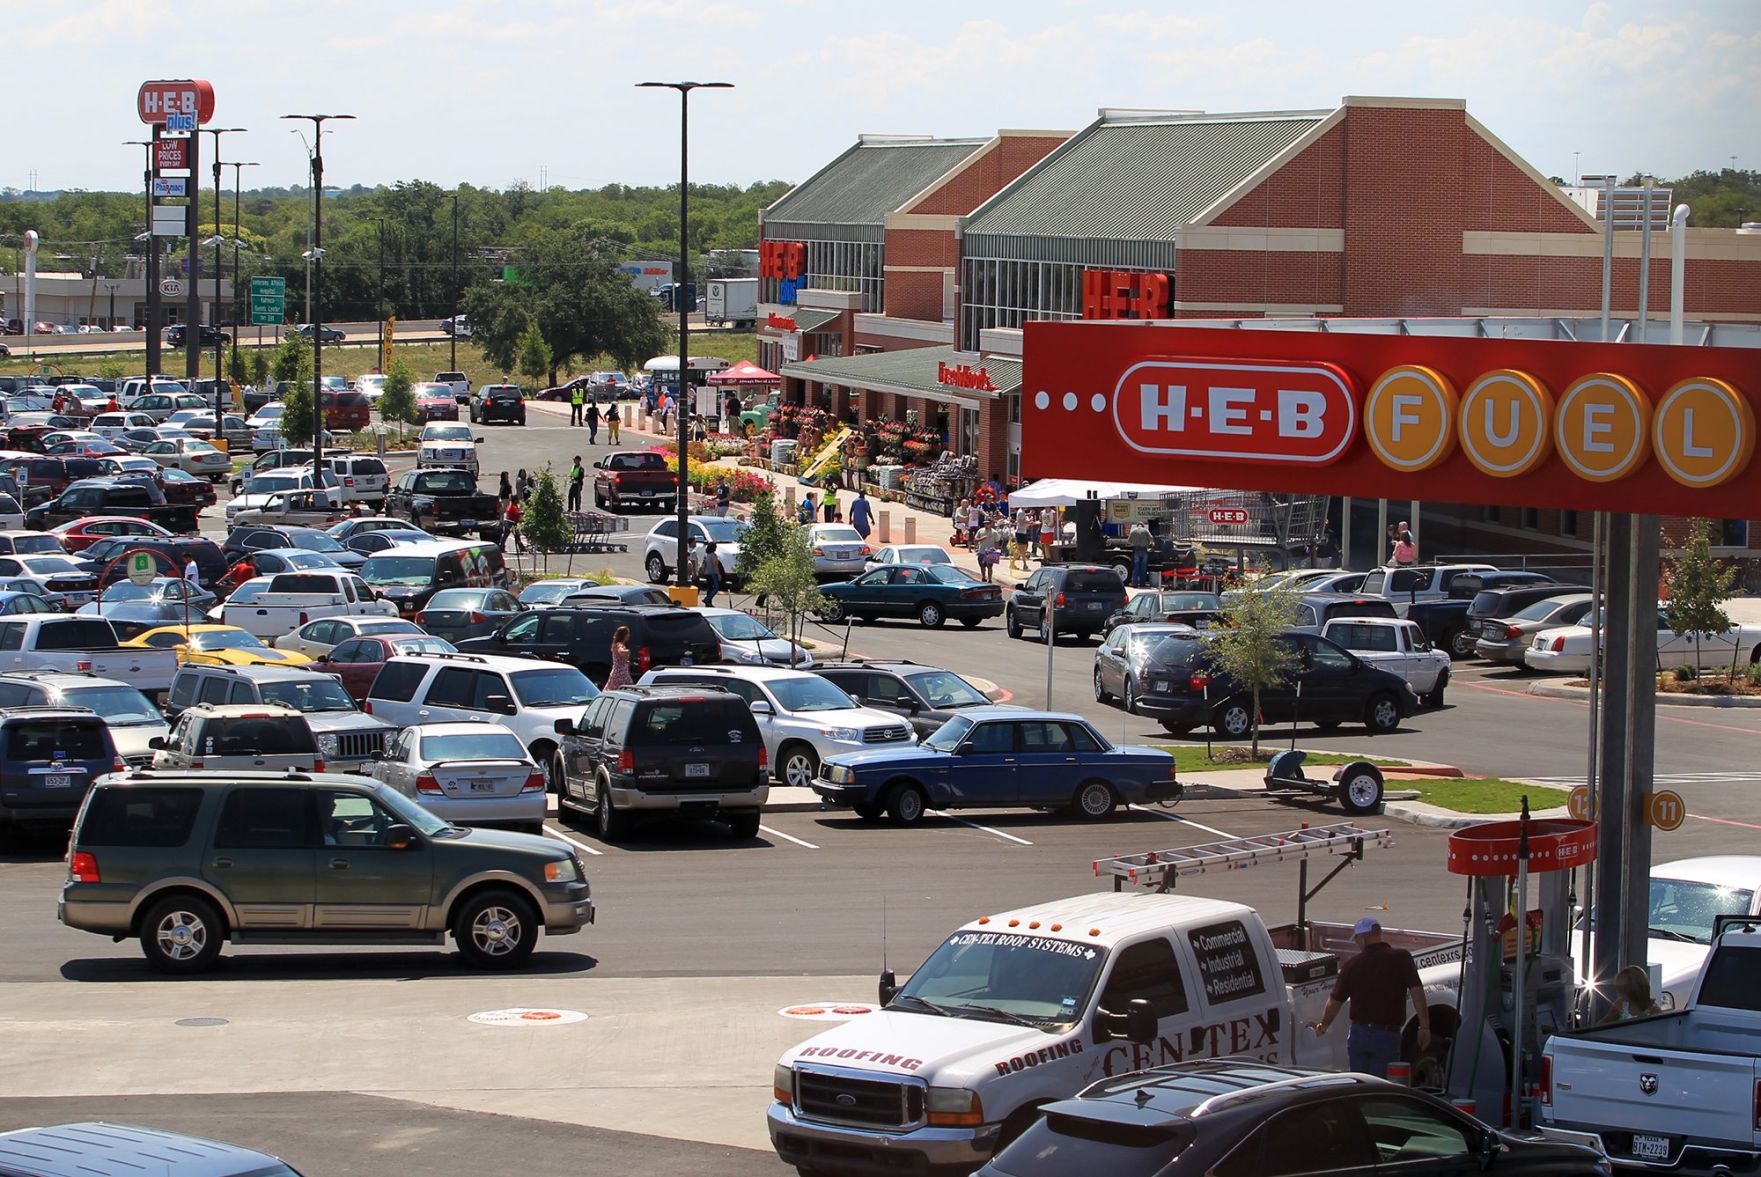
848 735
953 1107
782 1083
561 871
838 774
329 745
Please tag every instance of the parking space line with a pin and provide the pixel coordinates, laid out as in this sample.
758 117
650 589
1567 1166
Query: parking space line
787 837
1724 821
1184 820
575 842
986 829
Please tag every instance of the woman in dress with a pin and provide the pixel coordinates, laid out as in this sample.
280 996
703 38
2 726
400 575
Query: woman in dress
620 660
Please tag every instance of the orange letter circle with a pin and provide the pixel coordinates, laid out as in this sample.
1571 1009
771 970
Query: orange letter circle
1409 418
1504 423
1703 432
1603 427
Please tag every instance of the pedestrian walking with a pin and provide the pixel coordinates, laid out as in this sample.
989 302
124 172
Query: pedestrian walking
712 574
987 542
974 520
620 660
577 398
506 491
523 484
1406 549
807 508
1140 555
829 505
1376 983
724 497
614 420
861 513
510 525
1048 533
593 423
577 477
191 573
1326 548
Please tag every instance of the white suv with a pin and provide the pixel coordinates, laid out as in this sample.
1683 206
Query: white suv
802 717
524 695
660 553
364 479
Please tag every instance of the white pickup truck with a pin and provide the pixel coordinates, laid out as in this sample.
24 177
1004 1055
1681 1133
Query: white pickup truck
1399 647
294 598
1678 1092
1408 585
1016 1010
45 641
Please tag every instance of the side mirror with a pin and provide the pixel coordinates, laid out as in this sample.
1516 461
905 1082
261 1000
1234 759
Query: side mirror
761 707
565 727
1137 1024
399 837
322 658
500 704
477 441
1490 1147
889 986
159 743
913 707
599 465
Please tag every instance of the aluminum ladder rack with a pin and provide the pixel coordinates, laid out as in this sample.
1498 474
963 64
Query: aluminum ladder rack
1160 868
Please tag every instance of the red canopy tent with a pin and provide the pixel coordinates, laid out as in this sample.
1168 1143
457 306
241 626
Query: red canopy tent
744 372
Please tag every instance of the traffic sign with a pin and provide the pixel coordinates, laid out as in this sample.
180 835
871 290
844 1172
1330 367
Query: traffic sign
1578 803
141 569
268 300
1664 810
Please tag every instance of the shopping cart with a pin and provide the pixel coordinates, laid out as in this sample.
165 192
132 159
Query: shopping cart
594 531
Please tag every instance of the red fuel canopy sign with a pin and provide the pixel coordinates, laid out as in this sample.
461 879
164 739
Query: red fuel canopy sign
1613 427
158 101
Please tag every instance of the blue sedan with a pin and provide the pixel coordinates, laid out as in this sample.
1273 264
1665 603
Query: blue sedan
994 757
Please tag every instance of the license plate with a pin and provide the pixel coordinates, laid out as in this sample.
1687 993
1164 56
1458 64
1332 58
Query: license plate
482 786
1651 1148
697 770
1160 685
1094 606
58 781
647 494
467 523
1492 630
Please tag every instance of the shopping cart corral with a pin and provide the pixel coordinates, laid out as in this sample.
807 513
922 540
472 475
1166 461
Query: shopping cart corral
596 531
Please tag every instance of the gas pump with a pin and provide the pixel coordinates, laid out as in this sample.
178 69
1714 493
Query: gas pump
1517 972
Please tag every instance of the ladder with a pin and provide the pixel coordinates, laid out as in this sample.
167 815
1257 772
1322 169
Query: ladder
1160 868
834 445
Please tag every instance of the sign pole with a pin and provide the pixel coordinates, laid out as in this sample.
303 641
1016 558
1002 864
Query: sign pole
192 314
1598 526
154 316
1641 726
1048 621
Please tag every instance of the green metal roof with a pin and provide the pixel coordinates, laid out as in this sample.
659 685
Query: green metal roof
1138 178
913 371
870 180
806 319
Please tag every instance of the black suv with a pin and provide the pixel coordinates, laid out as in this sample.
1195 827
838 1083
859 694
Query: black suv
1508 600
692 752
660 635
177 335
928 696
169 556
498 402
1080 597
1242 1118
1327 686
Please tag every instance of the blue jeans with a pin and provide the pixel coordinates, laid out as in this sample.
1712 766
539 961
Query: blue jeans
713 587
1140 566
1369 1049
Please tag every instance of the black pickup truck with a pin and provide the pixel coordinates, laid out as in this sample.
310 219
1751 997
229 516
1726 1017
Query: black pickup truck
112 496
444 501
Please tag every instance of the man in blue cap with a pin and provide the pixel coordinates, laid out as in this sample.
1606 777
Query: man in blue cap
1377 982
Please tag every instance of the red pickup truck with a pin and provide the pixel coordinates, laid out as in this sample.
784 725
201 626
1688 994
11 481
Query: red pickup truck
635 476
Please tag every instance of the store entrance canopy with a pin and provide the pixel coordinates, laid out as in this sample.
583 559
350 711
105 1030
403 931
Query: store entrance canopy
745 372
1067 492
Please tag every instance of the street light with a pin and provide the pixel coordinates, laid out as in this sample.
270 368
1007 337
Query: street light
219 357
316 326
152 252
237 167
681 297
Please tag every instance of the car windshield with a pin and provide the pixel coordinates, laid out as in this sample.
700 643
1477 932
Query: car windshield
446 432
947 737
315 541
446 482
264 484
26 544
269 412
1183 602
948 574
387 626
944 688
119 705
837 535
987 974
423 645
491 743
560 686
1682 908
124 590
723 531
50 564
740 627
809 693
314 694
226 639
405 571
459 599
1539 611
921 556
549 590
412 814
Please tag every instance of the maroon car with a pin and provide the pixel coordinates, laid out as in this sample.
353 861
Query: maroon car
184 488
356 662
436 402
348 410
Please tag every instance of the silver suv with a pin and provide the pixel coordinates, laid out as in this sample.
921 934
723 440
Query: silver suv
347 738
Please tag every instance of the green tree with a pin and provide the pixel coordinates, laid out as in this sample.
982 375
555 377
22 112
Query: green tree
785 579
259 367
1698 588
293 360
543 525
535 360
236 366
399 402
762 539
1249 647
296 414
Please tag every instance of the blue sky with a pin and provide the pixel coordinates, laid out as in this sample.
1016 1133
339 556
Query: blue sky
494 91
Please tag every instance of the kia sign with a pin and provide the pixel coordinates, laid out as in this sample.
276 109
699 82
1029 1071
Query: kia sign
1648 429
175 104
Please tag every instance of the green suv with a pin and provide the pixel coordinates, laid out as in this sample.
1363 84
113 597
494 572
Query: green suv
188 860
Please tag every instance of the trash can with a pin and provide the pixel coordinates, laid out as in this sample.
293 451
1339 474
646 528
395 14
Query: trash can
683 594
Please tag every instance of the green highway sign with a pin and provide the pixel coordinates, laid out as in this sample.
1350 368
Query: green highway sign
268 300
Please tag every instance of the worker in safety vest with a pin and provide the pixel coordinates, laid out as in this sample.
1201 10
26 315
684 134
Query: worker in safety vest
577 399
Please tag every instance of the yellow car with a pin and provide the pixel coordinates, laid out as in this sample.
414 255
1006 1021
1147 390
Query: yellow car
216 645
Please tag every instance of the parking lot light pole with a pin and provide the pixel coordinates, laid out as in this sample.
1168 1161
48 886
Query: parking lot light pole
316 259
237 166
152 262
681 299
219 268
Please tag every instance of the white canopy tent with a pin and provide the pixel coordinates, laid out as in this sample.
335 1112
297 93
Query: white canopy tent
1067 492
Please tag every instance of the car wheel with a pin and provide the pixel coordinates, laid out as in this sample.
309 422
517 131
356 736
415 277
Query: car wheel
907 805
557 777
1435 698
743 825
1130 697
1101 695
831 609
495 930
1012 623
1177 729
869 812
1233 719
971 622
613 826
931 615
598 499
1460 644
797 765
1361 792
182 934
656 568
1327 725
1094 801
1124 570
1382 713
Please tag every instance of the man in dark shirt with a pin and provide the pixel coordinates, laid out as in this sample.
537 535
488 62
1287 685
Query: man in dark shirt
1377 982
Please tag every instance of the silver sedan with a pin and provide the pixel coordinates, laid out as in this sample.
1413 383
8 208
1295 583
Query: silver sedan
470 774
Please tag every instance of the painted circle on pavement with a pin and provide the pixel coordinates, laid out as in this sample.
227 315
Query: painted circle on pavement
521 1016
826 1011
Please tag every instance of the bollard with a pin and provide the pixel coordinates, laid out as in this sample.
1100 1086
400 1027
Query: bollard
1401 1073
789 499
910 530
886 527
